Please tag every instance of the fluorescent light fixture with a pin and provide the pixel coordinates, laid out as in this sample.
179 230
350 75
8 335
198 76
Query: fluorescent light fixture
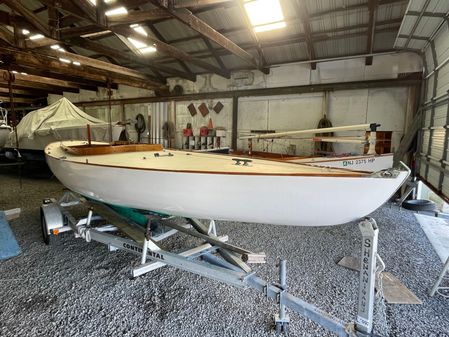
147 50
55 46
37 37
137 44
14 72
117 11
62 50
25 31
24 73
94 2
265 15
64 60
139 29
270 26
76 63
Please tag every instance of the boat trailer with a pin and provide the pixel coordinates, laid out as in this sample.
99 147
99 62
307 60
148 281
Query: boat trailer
215 258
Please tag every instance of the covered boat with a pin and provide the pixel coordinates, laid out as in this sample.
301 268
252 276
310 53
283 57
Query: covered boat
61 120
210 186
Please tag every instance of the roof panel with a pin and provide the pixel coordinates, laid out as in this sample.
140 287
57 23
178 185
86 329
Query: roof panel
287 53
425 27
341 47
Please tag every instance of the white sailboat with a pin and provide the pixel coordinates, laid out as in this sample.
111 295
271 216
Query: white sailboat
210 186
370 162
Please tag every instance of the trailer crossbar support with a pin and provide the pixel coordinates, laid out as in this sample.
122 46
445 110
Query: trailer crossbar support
230 270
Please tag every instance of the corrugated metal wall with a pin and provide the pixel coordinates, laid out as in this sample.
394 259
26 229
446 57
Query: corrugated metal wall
158 115
433 141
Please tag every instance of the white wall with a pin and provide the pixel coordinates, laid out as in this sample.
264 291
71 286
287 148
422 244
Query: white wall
283 113
386 106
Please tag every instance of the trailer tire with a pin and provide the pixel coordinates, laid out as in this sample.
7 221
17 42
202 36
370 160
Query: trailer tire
419 205
45 236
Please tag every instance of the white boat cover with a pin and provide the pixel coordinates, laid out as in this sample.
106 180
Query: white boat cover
61 120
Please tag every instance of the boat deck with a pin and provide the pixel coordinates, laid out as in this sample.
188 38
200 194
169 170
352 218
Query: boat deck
181 161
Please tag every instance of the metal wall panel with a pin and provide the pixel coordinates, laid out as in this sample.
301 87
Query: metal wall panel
433 159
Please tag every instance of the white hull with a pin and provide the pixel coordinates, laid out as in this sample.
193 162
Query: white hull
369 163
299 200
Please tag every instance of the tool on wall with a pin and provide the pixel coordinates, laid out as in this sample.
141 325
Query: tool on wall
324 147
140 126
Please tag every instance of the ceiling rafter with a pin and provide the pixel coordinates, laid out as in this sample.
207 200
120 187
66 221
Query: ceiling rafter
293 39
195 23
90 68
171 51
372 9
99 48
32 18
161 46
192 76
301 10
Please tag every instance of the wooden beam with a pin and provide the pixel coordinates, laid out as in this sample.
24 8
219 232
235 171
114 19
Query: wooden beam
250 29
198 3
17 6
66 6
89 68
5 35
301 10
162 47
87 8
18 99
182 63
23 92
112 68
140 16
372 9
195 23
170 50
102 49
42 80
80 82
41 88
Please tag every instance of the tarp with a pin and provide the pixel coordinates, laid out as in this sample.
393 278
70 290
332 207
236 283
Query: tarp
61 120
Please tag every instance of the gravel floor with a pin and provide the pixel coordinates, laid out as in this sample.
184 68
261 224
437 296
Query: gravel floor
74 288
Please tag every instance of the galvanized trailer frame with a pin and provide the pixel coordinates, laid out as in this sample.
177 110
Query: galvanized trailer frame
231 268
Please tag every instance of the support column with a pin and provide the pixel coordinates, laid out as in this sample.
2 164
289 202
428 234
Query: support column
235 114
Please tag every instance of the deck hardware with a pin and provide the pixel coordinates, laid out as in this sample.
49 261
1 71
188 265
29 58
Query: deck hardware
157 155
243 162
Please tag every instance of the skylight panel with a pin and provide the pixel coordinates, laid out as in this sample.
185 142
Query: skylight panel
265 15
137 44
117 11
139 29
37 37
147 50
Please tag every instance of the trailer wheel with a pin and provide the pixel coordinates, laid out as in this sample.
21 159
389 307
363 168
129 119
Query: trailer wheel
45 236
419 205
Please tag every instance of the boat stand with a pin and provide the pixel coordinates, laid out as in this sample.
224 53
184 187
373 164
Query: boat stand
232 267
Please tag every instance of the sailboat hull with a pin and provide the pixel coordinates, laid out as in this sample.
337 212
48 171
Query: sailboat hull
272 199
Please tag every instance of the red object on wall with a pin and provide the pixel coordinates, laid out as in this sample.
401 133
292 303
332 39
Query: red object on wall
187 132
204 131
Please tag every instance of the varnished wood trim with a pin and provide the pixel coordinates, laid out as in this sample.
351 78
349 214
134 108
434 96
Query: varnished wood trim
346 175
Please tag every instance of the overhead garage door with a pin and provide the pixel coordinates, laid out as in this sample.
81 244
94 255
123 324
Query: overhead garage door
433 144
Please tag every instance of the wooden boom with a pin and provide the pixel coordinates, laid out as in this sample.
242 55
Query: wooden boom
301 132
